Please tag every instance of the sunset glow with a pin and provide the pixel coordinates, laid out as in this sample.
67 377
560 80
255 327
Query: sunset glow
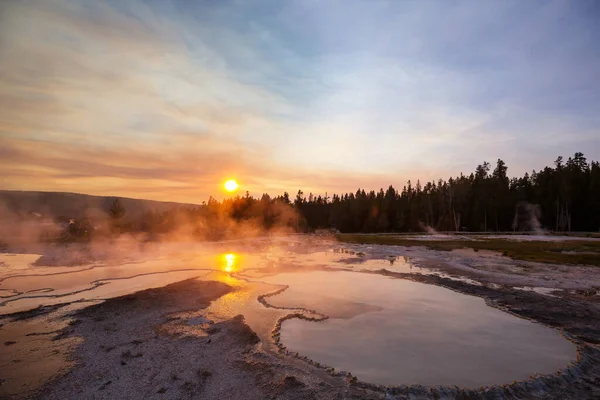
249 199
287 97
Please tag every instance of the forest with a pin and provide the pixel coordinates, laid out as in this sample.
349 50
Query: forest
565 197
561 198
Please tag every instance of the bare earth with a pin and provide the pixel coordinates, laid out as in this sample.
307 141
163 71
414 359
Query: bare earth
136 347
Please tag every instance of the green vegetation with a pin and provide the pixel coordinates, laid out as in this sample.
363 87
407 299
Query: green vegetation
559 252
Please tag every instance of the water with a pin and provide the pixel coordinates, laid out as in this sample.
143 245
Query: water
384 330
394 331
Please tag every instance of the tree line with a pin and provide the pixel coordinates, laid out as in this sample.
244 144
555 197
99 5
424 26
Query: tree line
564 197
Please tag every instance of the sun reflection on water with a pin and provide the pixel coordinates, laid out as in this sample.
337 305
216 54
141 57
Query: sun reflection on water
230 262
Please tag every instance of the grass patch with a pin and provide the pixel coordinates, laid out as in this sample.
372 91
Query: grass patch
585 252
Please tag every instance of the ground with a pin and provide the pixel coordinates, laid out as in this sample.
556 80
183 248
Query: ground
136 346
150 344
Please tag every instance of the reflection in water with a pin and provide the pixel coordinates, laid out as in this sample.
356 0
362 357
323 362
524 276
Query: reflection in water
381 329
396 331
230 261
243 300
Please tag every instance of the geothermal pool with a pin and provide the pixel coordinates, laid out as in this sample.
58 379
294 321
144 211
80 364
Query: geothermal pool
384 330
391 331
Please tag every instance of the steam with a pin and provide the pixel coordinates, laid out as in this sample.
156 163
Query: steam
24 231
428 229
527 218
102 235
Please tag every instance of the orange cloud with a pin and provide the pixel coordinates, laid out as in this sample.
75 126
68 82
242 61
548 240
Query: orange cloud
180 176
120 109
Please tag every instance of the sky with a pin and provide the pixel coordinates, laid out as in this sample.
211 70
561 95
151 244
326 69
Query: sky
166 99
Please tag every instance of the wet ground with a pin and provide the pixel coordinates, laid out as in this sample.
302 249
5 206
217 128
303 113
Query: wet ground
389 315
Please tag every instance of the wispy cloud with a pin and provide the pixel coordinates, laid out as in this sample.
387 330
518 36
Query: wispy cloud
165 99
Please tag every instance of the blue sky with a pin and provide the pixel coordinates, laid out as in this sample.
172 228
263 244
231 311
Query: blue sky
166 99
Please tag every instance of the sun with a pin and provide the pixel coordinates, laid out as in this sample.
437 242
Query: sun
231 185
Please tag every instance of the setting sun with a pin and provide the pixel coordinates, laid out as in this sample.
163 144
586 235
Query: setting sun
231 185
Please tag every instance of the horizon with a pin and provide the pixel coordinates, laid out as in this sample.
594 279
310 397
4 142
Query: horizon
166 101
224 194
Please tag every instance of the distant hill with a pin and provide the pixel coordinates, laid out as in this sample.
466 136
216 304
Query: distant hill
74 205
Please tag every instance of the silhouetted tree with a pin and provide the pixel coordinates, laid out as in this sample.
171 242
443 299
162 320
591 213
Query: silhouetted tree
116 211
563 197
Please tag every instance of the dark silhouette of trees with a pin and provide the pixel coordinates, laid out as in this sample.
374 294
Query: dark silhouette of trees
118 221
78 230
565 197
116 211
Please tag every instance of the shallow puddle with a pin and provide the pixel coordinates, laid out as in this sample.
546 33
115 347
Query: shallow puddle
395 331
25 343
